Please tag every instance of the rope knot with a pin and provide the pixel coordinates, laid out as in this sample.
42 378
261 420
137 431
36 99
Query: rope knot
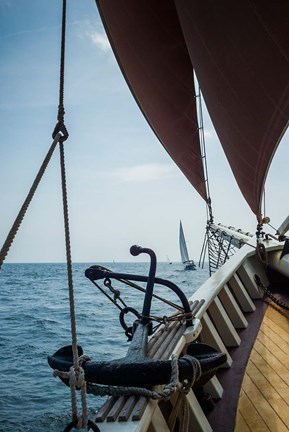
196 369
83 358
76 377
166 322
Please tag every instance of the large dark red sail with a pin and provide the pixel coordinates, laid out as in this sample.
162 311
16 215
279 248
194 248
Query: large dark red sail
149 45
240 53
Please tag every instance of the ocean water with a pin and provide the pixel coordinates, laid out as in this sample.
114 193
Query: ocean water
35 322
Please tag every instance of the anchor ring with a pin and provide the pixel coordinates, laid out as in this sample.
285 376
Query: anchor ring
90 425
124 311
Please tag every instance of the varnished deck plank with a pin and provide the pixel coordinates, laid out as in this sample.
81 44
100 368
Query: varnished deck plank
275 327
264 398
279 316
273 348
275 337
273 361
248 411
275 370
241 425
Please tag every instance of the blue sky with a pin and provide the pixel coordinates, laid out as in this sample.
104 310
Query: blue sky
123 188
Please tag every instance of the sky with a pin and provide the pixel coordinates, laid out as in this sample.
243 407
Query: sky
123 188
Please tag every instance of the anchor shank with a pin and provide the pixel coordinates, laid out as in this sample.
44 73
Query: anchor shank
150 286
138 348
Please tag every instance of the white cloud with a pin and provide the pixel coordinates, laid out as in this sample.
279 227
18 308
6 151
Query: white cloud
100 40
144 173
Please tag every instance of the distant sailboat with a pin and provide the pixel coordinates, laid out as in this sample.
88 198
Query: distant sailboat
168 260
189 264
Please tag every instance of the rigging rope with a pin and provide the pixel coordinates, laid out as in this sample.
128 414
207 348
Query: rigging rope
15 227
60 134
220 249
76 377
204 156
76 374
60 126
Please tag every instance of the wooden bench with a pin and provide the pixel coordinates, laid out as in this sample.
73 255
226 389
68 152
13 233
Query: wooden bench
161 346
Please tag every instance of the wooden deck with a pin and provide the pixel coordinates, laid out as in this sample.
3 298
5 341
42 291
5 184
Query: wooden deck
264 397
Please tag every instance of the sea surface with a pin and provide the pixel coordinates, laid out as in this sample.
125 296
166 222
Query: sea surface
35 322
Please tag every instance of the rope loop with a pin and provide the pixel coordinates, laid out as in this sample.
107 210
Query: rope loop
197 373
60 127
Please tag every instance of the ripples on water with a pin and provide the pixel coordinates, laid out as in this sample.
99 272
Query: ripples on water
35 322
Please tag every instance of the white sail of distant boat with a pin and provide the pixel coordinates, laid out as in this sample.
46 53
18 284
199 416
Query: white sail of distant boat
189 264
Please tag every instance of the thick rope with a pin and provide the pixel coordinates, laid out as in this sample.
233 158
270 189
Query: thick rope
76 374
68 256
76 377
12 233
60 126
181 409
61 111
57 137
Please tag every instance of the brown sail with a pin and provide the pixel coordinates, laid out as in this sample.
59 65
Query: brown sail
239 51
149 45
